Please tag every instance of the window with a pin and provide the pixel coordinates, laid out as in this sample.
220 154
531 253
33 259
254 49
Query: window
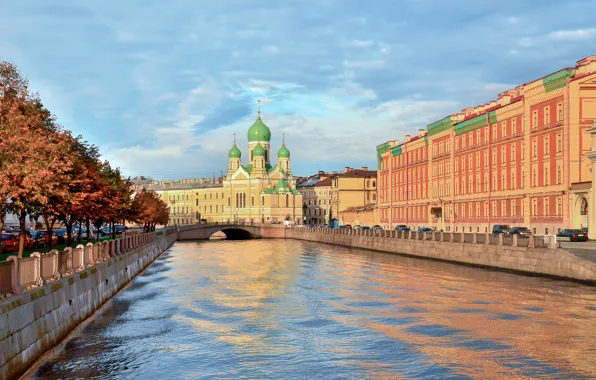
546 208
512 180
287 200
503 183
546 176
494 136
559 175
546 115
535 119
513 202
485 134
546 138
534 207
559 206
534 177
448 146
560 112
210 195
534 148
252 200
559 142
216 195
513 126
503 152
196 202
503 129
513 152
229 201
262 201
485 158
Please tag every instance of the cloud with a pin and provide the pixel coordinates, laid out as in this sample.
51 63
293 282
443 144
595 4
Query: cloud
572 35
161 88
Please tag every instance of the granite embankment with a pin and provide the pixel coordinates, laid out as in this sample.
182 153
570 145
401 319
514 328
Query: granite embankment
51 295
536 257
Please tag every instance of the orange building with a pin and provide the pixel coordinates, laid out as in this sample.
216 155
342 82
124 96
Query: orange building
519 160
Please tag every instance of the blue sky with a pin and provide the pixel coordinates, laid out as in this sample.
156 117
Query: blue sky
161 86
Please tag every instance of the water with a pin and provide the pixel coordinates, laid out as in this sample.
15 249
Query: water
290 309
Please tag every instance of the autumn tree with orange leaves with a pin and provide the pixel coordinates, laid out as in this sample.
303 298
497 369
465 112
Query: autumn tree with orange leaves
149 210
46 171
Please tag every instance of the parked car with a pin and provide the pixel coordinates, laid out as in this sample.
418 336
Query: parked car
11 243
40 240
521 231
402 227
376 227
425 229
572 235
365 228
585 231
29 241
501 229
60 235
46 238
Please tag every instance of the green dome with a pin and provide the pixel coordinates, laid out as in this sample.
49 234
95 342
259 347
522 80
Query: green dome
258 151
259 131
283 152
234 152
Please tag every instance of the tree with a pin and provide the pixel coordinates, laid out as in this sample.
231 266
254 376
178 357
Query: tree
149 210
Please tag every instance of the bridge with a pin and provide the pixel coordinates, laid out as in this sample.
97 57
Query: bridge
233 231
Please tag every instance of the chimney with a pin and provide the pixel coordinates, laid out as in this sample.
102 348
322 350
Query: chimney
421 132
334 172
347 169
365 168
407 138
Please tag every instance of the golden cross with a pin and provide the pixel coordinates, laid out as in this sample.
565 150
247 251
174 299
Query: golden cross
259 106
234 138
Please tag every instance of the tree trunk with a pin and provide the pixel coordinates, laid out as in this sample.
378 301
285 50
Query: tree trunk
1 215
68 223
80 232
22 220
88 227
49 224
113 230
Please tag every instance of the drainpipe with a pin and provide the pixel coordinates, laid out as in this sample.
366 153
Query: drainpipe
490 171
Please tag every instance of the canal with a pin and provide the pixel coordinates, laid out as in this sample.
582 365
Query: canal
290 309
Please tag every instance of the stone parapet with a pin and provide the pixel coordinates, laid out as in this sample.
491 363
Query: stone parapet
51 294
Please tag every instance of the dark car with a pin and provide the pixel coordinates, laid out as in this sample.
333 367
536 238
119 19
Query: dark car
29 241
60 235
521 231
376 227
40 240
572 235
402 227
501 229
365 228
425 229
46 238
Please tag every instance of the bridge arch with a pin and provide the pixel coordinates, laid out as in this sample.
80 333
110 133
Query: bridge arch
232 233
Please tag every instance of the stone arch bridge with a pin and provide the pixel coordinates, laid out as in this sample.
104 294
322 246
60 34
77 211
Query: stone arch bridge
233 231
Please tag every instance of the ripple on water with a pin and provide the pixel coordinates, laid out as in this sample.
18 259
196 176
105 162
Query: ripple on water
289 309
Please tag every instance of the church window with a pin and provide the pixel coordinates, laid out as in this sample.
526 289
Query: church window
287 200
229 201
252 200
262 201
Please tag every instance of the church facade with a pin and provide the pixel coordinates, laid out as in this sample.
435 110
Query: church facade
261 189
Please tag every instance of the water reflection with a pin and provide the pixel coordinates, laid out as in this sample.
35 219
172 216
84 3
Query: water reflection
288 309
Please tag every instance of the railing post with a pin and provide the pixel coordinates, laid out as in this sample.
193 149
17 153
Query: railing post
500 241
70 269
531 241
55 263
16 274
487 238
515 241
442 236
118 247
88 257
552 242
37 268
451 237
79 251
474 238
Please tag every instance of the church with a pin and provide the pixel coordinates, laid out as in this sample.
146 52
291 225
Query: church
257 190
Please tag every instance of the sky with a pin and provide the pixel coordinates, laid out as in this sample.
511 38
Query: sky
162 86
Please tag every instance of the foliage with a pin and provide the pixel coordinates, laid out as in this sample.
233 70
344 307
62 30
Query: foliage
44 170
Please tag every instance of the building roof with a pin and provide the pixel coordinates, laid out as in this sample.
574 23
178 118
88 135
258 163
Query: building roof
359 173
325 182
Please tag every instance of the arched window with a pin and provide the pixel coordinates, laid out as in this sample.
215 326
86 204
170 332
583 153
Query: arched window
287 200
584 207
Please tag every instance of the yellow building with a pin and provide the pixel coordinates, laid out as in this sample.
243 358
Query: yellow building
353 188
256 191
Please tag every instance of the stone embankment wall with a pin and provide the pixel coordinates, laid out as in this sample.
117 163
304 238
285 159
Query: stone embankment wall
475 249
34 321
